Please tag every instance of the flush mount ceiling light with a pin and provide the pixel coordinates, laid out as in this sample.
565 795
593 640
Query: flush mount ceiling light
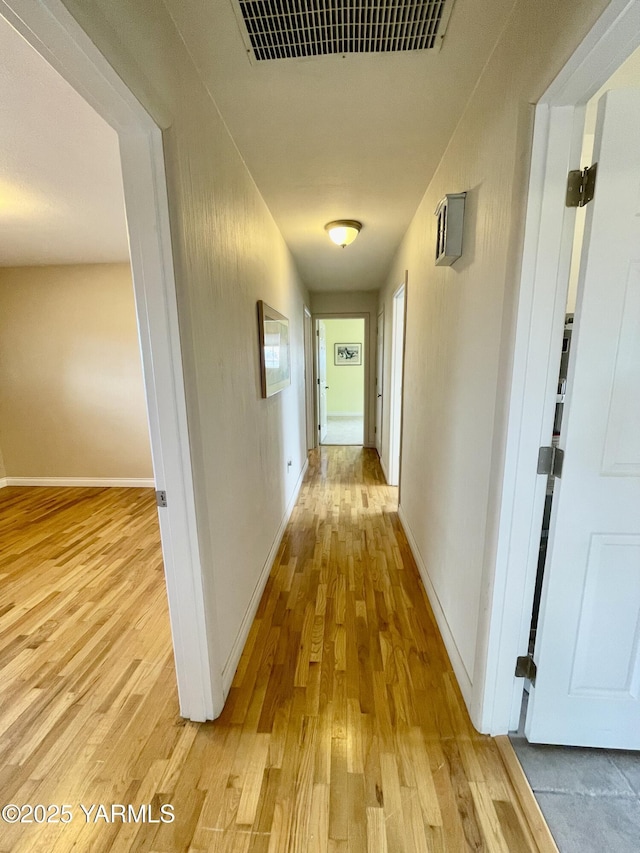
343 231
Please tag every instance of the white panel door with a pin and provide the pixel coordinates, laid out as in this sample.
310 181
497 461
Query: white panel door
312 436
587 651
397 366
379 374
322 380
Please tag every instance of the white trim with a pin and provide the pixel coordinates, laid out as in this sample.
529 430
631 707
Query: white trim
240 641
380 382
345 415
55 34
548 240
3 482
384 471
396 375
83 482
309 381
460 670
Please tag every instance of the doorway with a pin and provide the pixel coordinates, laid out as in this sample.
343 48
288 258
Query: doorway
53 33
341 380
586 648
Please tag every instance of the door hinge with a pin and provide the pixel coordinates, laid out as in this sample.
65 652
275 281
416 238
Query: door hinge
581 186
319 426
161 498
550 461
526 668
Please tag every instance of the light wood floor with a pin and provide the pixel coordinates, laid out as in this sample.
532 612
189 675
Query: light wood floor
344 729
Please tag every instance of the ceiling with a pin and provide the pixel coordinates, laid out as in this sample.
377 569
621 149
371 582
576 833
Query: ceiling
355 137
61 198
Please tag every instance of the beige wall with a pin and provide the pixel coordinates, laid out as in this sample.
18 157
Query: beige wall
346 382
460 325
71 391
228 253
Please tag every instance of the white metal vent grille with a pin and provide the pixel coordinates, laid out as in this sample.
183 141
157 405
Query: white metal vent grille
290 29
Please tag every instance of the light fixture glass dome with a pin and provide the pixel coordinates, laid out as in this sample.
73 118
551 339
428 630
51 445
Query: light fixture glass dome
343 231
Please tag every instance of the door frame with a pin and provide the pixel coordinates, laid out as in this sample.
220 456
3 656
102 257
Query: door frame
548 240
317 382
396 389
55 34
309 379
369 369
380 384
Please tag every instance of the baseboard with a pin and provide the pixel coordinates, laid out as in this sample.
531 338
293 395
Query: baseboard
3 482
345 415
386 477
239 643
466 685
82 482
526 798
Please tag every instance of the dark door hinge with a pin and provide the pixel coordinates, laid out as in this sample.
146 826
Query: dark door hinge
550 461
581 186
526 668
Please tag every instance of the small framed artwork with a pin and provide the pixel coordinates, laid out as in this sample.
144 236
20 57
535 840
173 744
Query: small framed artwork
275 360
347 353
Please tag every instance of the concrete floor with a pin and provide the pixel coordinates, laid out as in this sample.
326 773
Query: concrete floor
590 797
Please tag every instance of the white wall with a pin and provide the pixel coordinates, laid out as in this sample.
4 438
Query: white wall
460 327
363 303
72 401
228 253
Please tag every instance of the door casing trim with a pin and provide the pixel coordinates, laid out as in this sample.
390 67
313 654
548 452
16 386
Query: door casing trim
55 34
558 129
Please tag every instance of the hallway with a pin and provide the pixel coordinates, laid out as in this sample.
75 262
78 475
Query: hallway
344 729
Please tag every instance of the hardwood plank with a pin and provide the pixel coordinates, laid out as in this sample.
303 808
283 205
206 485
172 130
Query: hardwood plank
528 804
344 730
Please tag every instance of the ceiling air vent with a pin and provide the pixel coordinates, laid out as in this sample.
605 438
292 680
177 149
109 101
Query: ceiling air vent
292 29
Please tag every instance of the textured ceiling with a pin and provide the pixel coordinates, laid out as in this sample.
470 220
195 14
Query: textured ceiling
61 196
355 137
325 138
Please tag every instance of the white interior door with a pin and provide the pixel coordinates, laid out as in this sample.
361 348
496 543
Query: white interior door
397 359
308 379
379 374
587 690
322 380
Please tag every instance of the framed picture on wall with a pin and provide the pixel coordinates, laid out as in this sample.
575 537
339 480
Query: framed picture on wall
275 360
347 354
